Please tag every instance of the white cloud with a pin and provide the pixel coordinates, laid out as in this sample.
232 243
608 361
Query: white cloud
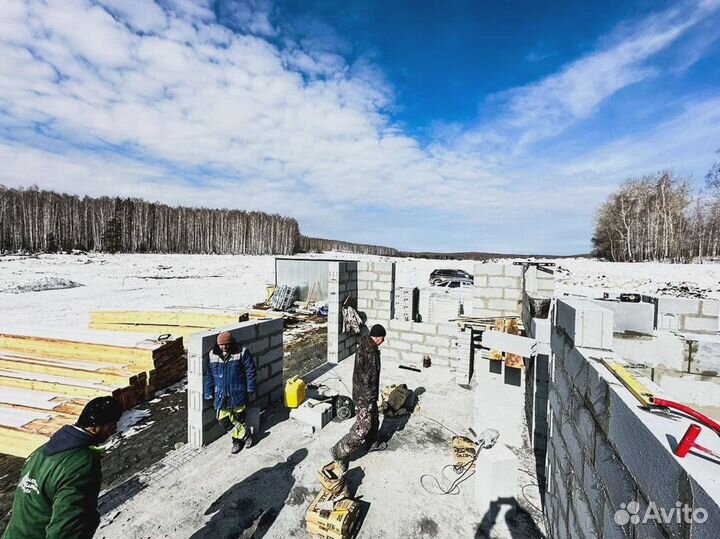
164 103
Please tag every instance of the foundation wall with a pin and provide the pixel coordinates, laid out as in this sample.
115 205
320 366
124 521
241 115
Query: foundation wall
604 452
264 339
342 283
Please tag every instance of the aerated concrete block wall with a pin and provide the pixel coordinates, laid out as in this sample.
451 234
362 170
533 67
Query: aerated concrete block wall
686 315
376 291
264 339
537 378
498 290
342 283
539 282
408 342
605 453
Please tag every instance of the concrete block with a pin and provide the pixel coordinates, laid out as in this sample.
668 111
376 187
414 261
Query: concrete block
644 455
631 317
270 326
514 344
426 329
611 530
661 350
586 428
400 325
710 308
276 367
585 517
710 529
440 342
259 346
491 292
504 282
318 416
272 355
423 349
496 477
488 269
572 439
512 293
705 357
383 286
504 305
700 324
397 344
585 323
669 305
512 271
268 385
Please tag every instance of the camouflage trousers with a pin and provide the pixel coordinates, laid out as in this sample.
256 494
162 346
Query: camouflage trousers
364 432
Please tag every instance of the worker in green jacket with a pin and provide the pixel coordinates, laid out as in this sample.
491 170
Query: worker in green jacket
60 481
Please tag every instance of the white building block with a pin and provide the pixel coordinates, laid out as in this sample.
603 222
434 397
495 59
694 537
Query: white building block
497 481
585 323
318 416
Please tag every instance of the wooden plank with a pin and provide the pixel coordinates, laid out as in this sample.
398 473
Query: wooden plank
197 319
19 443
106 353
54 384
120 377
178 331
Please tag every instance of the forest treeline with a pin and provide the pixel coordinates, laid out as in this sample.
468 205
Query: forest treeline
35 220
660 217
318 245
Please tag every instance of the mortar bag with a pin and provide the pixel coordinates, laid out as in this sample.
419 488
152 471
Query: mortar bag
464 450
397 400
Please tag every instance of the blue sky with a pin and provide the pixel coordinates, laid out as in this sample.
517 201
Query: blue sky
443 126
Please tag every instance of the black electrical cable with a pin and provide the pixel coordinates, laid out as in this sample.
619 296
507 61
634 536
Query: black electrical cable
461 469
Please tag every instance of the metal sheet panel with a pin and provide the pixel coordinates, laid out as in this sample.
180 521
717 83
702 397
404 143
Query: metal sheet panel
304 274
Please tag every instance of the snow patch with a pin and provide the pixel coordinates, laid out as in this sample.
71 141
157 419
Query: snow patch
44 283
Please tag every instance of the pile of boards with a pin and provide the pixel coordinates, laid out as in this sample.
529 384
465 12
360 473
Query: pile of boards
46 381
332 514
173 322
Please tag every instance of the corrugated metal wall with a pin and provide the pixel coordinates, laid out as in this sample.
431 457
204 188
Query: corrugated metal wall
303 274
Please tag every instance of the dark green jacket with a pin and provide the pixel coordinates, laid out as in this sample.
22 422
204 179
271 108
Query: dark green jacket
58 490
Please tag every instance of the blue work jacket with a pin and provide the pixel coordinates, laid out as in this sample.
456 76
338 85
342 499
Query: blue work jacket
228 381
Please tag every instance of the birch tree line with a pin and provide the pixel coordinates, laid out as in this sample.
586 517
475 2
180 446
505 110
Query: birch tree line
319 245
660 217
35 220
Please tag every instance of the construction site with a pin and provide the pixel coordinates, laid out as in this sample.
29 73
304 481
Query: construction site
525 413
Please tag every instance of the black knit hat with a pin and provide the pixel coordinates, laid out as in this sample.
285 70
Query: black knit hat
99 411
377 331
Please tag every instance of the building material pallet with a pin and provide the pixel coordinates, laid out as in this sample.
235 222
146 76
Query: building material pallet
178 323
45 382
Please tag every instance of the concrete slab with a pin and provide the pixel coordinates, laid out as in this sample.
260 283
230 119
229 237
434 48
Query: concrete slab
270 485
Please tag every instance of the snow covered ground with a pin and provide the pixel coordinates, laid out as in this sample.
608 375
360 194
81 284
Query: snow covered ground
57 292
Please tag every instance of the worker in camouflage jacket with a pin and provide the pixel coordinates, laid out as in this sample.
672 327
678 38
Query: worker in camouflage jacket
229 381
366 390
60 481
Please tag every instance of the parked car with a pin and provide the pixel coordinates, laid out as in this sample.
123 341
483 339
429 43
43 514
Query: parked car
462 284
441 275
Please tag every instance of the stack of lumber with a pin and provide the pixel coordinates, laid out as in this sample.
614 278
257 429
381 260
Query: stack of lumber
45 381
175 322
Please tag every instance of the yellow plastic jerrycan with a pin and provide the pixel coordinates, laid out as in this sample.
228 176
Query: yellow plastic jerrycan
294 392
